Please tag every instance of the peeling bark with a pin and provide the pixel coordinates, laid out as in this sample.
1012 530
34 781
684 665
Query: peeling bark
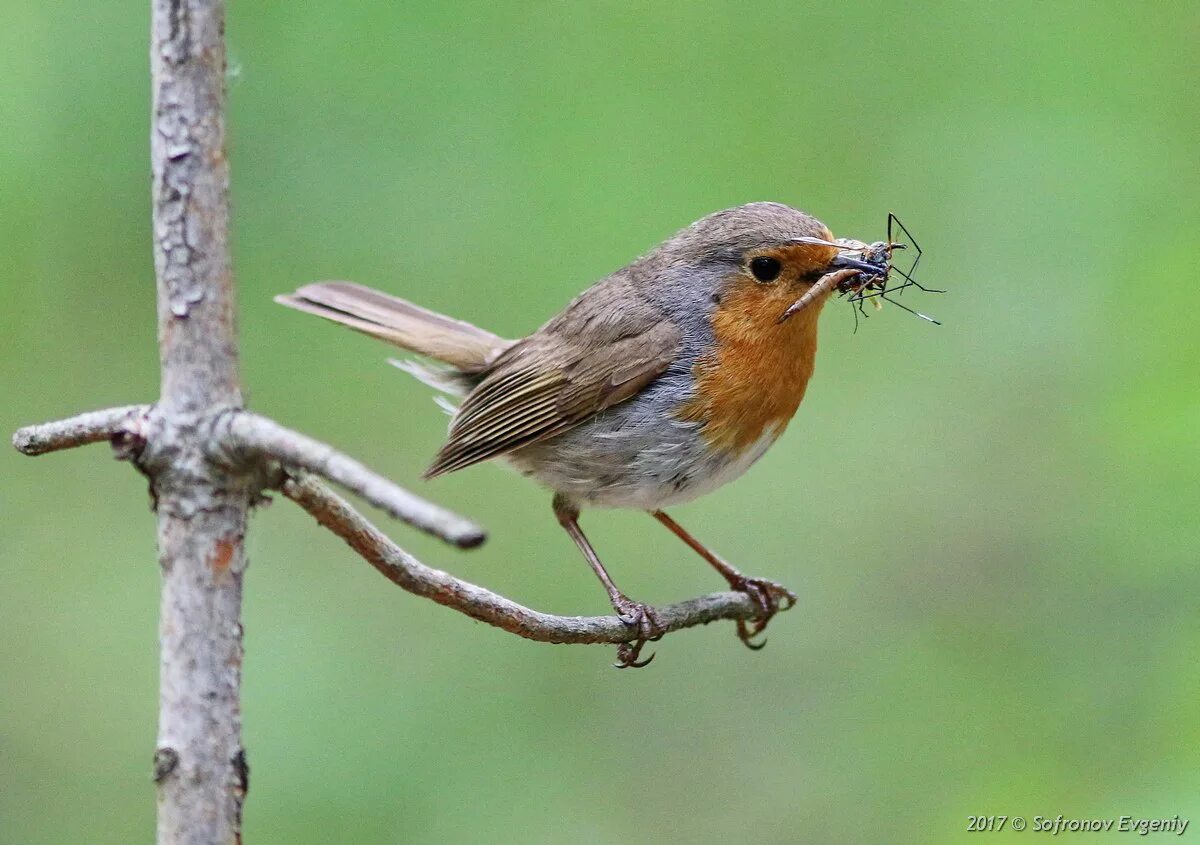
202 506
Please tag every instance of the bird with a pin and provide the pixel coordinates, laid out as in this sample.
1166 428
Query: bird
658 384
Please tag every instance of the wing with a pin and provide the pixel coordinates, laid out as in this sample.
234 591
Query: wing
604 348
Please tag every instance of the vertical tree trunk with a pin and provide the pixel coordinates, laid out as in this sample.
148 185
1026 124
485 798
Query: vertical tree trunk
200 765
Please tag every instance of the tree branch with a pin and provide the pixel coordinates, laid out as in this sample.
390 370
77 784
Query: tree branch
267 438
80 430
200 766
259 443
404 570
265 449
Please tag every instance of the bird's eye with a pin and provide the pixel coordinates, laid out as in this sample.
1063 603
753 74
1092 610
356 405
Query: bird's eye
765 269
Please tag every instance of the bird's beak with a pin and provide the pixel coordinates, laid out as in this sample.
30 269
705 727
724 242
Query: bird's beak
843 261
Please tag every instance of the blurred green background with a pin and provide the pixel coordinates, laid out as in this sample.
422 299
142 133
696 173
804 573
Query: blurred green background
991 525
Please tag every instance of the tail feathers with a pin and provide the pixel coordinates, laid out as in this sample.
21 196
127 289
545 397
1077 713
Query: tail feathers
463 346
451 380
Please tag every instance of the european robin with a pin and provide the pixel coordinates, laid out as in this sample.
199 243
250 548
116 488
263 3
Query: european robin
658 384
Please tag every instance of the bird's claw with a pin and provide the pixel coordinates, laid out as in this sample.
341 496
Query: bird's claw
770 598
643 619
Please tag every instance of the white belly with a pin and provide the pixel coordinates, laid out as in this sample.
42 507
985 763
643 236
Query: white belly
666 464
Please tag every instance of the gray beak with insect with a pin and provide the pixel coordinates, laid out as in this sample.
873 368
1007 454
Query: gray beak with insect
863 270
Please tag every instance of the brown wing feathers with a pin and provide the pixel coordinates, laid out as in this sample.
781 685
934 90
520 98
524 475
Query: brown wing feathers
574 367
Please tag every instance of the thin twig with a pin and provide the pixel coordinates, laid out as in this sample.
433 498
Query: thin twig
80 430
401 568
268 438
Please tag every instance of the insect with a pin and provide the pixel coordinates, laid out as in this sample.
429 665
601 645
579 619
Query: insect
865 271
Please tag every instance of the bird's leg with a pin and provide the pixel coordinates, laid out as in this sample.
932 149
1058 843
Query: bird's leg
769 596
638 616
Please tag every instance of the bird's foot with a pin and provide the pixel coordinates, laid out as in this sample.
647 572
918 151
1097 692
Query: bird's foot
769 597
644 620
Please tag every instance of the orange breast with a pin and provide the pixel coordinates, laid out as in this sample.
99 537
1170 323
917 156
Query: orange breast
754 379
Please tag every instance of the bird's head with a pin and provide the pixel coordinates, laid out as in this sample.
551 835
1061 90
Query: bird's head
765 260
